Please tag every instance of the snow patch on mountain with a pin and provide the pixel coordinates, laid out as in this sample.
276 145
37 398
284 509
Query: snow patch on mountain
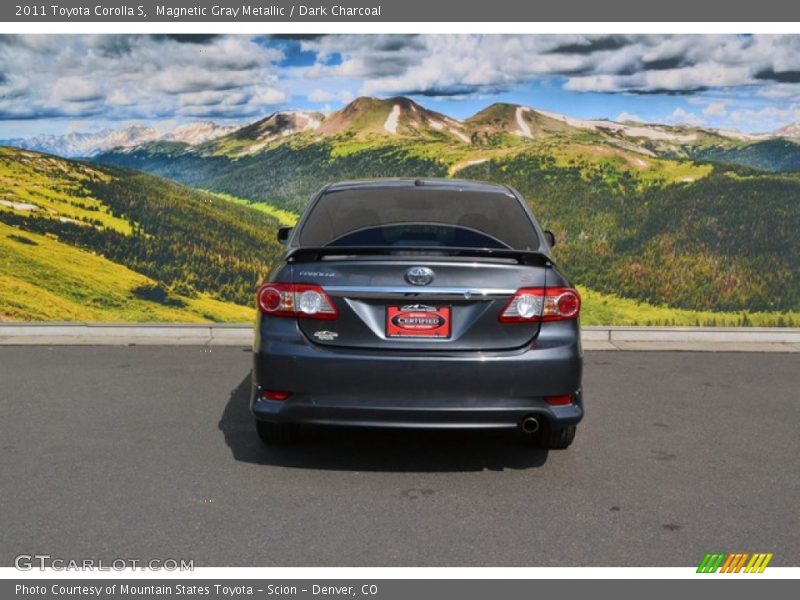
460 135
197 133
312 122
89 144
391 121
523 129
738 135
792 130
83 143
653 133
466 163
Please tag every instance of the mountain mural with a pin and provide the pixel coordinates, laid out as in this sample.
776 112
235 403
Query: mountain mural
675 215
657 224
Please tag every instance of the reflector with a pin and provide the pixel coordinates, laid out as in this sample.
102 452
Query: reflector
558 400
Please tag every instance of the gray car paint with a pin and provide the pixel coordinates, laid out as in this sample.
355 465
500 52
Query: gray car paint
488 374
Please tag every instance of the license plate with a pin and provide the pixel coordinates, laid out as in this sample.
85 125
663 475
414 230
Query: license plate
417 321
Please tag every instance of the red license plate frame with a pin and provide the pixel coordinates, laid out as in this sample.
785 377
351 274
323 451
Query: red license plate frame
419 321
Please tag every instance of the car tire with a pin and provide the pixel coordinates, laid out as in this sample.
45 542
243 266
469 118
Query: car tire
555 437
276 433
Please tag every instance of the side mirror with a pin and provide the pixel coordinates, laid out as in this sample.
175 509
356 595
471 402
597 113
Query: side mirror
284 233
550 237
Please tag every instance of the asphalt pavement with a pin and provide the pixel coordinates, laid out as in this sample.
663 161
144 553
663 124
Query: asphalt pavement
150 452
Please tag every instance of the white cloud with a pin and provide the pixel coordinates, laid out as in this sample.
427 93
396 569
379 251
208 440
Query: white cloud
603 83
75 89
321 96
136 76
682 117
215 98
120 98
716 109
78 125
766 118
629 117
457 65
781 91
267 96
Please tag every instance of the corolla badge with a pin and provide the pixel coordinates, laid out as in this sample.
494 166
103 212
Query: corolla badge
326 336
419 276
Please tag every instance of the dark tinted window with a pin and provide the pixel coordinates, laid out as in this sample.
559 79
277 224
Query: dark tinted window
419 217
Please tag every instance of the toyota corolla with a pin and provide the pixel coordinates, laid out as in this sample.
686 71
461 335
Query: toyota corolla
418 303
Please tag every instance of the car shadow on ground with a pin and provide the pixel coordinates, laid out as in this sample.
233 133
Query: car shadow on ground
391 450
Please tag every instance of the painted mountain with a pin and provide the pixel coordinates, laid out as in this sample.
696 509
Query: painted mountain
81 144
658 224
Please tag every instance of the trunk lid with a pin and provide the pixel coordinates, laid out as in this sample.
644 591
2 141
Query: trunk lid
457 310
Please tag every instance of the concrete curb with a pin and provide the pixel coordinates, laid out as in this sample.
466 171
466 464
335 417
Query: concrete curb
125 334
691 339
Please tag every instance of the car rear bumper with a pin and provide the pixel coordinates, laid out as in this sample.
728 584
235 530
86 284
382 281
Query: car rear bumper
332 412
425 390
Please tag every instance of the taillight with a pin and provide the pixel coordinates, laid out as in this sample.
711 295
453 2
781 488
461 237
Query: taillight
301 300
532 305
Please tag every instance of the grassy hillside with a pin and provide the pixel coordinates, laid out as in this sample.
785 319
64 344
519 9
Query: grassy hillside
611 309
85 242
674 232
44 279
285 218
285 175
196 256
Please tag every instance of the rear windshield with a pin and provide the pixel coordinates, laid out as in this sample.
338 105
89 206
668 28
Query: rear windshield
419 217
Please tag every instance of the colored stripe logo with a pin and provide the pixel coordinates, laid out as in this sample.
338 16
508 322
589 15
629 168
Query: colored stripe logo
737 562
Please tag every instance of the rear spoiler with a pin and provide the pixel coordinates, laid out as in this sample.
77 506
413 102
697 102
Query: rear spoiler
311 253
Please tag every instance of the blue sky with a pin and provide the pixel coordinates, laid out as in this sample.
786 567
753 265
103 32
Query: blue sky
57 84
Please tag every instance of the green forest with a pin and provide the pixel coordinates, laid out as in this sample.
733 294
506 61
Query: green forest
726 241
187 242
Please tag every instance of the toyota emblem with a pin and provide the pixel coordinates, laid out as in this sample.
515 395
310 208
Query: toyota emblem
419 276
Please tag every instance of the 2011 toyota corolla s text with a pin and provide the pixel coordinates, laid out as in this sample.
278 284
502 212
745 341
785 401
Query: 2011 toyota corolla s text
418 303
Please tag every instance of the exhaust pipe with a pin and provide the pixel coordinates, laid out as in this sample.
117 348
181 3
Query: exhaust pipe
530 425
